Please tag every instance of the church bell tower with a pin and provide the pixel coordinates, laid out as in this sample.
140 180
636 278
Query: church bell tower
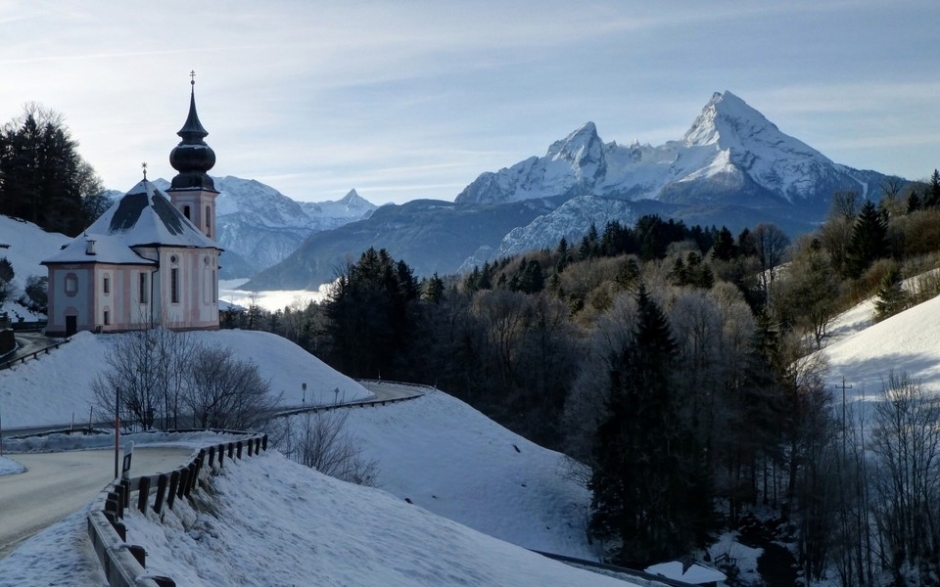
192 191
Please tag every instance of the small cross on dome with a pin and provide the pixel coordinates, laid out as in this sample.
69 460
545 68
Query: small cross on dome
192 77
144 167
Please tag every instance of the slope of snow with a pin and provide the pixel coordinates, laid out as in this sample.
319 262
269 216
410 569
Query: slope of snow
279 523
452 460
908 342
28 246
56 388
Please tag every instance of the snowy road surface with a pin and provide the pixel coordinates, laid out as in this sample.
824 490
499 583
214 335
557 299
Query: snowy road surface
58 484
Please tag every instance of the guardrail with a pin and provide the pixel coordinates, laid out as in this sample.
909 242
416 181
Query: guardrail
648 579
365 403
32 355
32 326
124 564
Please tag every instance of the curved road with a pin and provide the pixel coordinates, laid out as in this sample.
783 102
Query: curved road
57 485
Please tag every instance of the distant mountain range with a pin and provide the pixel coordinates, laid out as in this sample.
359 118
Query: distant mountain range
733 167
259 226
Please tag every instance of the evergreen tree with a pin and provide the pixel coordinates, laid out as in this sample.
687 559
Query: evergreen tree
649 492
932 195
869 240
42 177
434 289
891 295
914 202
724 249
371 317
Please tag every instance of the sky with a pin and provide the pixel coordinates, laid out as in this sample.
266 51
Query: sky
413 99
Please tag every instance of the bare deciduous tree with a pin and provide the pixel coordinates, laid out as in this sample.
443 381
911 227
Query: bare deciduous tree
225 392
323 443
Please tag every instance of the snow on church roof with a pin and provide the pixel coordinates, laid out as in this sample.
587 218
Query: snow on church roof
105 249
144 216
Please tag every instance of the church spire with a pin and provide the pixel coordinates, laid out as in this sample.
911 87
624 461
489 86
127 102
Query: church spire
192 157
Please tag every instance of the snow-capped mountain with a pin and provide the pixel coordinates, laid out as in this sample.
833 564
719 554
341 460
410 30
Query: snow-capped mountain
731 155
259 226
733 167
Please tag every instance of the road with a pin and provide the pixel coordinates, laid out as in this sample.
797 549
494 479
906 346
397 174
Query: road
57 485
385 390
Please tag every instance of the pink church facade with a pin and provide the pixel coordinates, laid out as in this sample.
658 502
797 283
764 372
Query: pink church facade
150 259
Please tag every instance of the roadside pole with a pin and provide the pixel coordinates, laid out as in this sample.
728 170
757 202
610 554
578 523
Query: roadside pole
117 431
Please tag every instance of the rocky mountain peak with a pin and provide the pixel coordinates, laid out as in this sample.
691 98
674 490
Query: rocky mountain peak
726 119
582 149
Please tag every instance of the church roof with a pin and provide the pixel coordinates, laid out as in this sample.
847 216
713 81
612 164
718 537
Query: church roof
104 249
144 216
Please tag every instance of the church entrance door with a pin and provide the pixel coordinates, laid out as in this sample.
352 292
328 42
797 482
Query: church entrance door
71 325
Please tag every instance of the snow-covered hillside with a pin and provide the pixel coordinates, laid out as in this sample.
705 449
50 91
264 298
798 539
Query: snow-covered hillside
278 523
865 357
56 388
28 246
731 154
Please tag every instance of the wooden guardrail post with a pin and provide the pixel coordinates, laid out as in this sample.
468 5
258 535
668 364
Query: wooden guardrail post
231 449
211 456
143 492
264 442
126 492
162 482
238 446
184 480
171 494
221 455
139 553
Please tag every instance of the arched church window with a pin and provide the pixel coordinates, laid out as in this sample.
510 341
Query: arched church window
186 213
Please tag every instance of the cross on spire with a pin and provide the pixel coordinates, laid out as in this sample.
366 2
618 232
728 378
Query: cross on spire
192 77
144 167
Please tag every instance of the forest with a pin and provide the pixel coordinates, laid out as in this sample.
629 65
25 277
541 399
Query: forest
675 366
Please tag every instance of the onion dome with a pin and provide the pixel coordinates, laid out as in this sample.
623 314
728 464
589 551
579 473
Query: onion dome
193 158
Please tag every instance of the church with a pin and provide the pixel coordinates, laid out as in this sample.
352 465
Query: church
151 259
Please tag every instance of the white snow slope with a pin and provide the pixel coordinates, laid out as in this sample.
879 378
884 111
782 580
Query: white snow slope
55 388
28 246
274 522
908 342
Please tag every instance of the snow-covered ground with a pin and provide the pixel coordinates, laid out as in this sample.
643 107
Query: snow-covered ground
8 467
865 357
449 458
274 522
55 389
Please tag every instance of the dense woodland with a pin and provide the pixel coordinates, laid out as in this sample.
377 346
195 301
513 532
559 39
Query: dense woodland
677 364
